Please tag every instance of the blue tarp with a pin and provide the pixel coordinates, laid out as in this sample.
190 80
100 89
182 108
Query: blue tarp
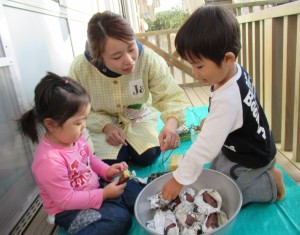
282 217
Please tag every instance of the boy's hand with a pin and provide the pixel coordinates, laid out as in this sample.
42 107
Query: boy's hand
202 123
116 169
113 190
171 189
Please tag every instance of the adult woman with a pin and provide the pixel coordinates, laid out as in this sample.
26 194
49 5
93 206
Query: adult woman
127 83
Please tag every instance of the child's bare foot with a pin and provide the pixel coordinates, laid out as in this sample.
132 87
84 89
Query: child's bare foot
277 174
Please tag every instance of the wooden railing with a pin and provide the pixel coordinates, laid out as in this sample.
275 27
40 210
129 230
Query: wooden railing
271 53
249 7
162 42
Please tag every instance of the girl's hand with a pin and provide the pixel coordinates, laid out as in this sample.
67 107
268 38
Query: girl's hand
116 169
114 136
168 138
113 190
171 189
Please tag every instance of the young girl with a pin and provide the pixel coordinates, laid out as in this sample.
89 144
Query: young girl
235 135
65 169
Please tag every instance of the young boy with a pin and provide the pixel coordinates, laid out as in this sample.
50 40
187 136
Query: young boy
236 135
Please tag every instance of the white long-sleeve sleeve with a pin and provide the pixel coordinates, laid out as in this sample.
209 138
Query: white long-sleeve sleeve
225 116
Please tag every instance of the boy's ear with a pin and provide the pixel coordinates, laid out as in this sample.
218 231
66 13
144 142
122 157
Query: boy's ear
49 123
229 58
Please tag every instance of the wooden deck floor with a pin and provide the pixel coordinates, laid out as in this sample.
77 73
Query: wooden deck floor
198 96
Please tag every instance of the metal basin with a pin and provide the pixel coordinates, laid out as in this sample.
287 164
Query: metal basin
210 179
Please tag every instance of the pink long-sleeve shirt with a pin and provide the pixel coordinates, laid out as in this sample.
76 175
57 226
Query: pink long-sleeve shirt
68 176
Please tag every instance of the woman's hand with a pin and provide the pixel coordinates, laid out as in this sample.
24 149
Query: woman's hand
113 190
168 138
171 189
116 169
114 136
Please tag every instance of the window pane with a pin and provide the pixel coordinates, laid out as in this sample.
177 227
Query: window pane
17 186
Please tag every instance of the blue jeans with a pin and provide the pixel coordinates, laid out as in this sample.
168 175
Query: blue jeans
115 214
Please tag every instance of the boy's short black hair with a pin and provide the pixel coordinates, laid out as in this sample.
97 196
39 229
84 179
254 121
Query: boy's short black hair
210 32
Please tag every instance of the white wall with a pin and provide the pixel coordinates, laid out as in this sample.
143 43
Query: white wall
36 36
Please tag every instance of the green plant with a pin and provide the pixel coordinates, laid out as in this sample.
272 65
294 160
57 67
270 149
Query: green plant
167 20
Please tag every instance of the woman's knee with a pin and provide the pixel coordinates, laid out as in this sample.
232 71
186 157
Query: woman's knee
148 157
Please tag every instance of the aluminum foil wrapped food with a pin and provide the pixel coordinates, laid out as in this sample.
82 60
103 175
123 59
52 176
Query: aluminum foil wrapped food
171 227
214 220
195 229
157 202
187 194
158 222
194 213
124 177
207 201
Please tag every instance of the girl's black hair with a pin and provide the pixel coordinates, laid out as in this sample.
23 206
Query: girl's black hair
210 32
58 98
